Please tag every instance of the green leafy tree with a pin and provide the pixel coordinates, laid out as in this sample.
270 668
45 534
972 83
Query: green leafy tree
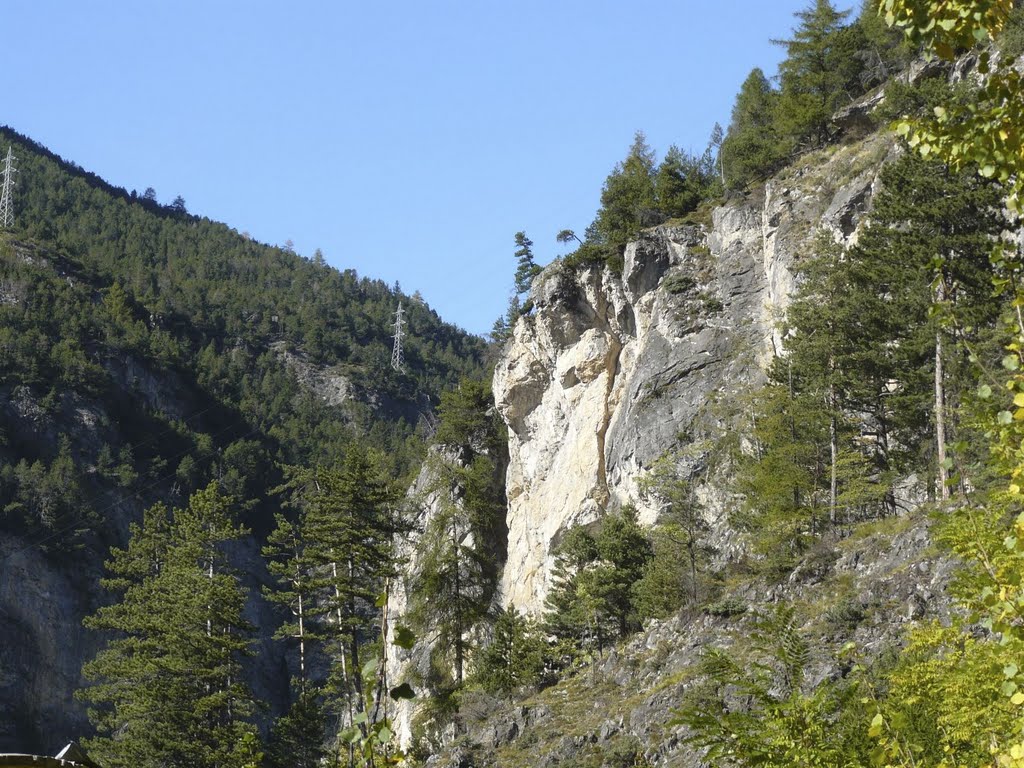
624 552
290 562
452 590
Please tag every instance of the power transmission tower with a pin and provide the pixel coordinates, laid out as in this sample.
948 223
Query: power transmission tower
6 197
397 360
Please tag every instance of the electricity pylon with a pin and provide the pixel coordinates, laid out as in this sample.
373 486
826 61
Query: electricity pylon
7 195
397 360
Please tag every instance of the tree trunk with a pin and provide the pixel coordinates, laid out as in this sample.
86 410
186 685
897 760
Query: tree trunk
940 397
833 439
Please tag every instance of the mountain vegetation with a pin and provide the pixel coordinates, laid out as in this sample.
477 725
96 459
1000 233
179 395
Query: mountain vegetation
164 414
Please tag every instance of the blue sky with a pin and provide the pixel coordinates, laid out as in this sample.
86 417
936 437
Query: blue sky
407 140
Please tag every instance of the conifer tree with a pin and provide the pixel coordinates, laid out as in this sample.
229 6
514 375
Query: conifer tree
289 561
454 585
926 245
341 556
819 74
628 200
593 597
671 581
752 148
682 182
526 269
515 656
167 690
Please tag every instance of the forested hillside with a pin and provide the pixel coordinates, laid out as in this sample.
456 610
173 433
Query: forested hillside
144 352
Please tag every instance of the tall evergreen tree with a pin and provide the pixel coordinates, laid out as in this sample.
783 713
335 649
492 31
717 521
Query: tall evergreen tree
820 73
683 528
628 200
526 268
752 148
343 556
167 690
456 578
682 181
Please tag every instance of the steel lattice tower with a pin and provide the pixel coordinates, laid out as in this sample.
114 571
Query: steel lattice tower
397 360
6 197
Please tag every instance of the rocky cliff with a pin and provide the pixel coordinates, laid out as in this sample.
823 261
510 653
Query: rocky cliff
608 372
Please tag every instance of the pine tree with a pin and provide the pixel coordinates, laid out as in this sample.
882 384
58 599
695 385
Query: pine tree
628 201
682 182
344 555
455 582
452 590
167 690
569 613
670 581
526 269
752 148
624 552
819 74
592 598
515 656
291 564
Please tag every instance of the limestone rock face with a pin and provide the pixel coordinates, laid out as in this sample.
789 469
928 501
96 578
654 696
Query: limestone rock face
608 372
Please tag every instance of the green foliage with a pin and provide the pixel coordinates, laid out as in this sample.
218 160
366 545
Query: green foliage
751 709
167 688
820 73
332 560
852 405
46 501
526 269
683 182
296 738
628 199
784 480
514 659
468 420
453 589
752 148
1011 37
884 51
593 595
675 575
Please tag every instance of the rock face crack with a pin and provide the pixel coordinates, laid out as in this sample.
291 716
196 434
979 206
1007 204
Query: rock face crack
611 368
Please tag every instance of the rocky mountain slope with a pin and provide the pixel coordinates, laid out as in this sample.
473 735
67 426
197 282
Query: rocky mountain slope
607 372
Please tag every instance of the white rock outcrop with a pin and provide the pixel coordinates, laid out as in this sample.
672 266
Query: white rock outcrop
608 372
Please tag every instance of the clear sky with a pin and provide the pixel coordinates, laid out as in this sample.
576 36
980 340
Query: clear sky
407 140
